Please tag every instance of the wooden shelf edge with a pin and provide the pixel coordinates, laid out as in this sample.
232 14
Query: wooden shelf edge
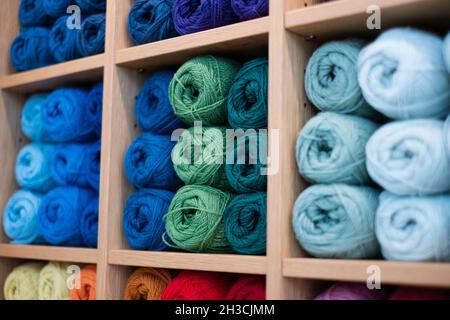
219 36
190 261
55 75
47 253
392 272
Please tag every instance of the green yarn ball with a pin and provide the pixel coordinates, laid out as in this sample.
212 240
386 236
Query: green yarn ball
199 89
199 158
195 219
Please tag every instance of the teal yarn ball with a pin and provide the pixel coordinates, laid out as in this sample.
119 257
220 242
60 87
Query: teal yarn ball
331 78
199 157
331 149
246 223
248 171
195 219
247 101
199 90
337 221
446 51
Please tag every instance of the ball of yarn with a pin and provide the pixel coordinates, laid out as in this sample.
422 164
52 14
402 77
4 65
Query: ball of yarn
93 170
199 89
331 148
248 10
22 282
66 117
33 165
199 157
337 221
143 219
89 223
20 218
88 283
200 15
247 172
198 285
195 219
95 107
403 75
414 228
53 282
148 163
245 222
154 112
59 215
91 38
420 294
409 157
446 50
31 49
150 21
331 78
56 8
32 13
147 284
247 100
63 41
351 291
32 118
248 288
91 6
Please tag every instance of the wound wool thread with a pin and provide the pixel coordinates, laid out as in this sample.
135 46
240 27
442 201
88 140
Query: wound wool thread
32 13
89 223
63 41
147 284
88 284
90 40
32 118
22 283
247 10
248 288
53 282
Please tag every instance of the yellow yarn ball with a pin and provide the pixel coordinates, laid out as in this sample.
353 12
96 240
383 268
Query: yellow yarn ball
22 282
53 282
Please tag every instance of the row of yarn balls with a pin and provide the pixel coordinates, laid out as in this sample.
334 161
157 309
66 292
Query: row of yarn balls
155 20
351 147
50 281
59 172
222 208
45 37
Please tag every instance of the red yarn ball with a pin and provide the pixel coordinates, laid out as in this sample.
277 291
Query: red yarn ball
409 293
196 285
248 288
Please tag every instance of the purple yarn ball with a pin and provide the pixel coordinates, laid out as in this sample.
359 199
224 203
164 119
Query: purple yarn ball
250 9
198 15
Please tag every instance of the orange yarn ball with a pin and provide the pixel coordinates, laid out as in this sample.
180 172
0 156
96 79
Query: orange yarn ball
147 284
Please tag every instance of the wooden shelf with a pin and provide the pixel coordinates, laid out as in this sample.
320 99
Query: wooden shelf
47 253
190 261
47 78
238 38
392 272
349 17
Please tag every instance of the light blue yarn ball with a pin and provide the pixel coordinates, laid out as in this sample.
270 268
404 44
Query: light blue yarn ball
337 221
331 78
403 75
331 148
447 51
414 228
410 157
32 125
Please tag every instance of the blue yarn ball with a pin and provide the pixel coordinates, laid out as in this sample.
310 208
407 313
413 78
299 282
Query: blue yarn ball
199 15
91 6
154 113
446 50
63 41
89 224
56 8
31 49
148 163
143 219
95 107
33 167
32 13
91 38
93 169
59 215
250 9
151 20
245 221
32 125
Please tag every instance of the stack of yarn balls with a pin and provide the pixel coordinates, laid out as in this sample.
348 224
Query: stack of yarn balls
159 284
155 20
222 207
52 32
49 281
59 171
381 126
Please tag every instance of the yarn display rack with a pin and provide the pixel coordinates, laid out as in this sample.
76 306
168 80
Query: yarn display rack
289 35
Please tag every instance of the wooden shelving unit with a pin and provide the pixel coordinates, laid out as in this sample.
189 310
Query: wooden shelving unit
288 36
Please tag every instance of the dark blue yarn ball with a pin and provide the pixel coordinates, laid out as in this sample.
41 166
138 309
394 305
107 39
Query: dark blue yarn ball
57 8
151 20
63 41
154 113
91 6
143 219
89 224
192 16
250 9
91 38
95 106
31 49
94 160
32 13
